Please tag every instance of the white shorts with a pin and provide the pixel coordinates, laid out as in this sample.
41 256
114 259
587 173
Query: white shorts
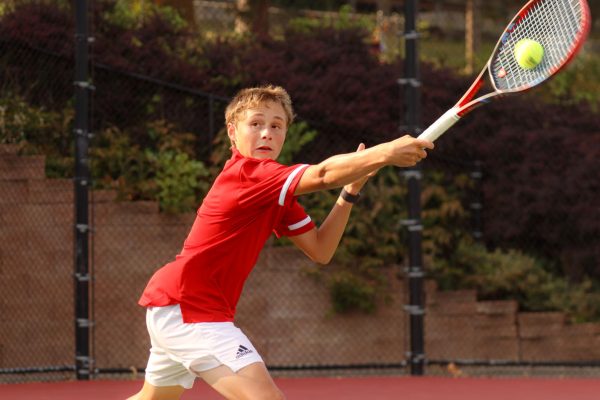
181 350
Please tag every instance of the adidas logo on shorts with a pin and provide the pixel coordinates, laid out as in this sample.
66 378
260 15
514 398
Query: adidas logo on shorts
242 351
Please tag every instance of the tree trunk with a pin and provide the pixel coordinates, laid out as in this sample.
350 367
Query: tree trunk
384 6
252 16
472 33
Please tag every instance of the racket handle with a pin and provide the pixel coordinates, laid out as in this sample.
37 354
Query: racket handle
440 126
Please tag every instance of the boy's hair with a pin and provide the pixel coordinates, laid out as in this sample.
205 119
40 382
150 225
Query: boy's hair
252 97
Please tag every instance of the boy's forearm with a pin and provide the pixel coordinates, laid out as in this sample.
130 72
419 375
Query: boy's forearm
342 169
331 231
321 243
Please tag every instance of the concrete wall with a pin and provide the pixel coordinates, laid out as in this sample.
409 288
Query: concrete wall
284 307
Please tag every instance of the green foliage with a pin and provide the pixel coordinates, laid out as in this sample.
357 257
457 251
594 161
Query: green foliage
350 293
298 135
38 131
455 262
221 152
581 302
443 214
130 14
19 121
178 179
6 7
450 53
344 19
120 165
579 82
158 162
373 237
162 171
511 274
163 136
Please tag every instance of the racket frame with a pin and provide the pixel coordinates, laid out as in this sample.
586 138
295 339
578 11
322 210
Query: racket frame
467 104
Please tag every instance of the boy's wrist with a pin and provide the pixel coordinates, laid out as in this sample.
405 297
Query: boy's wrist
385 153
350 189
348 197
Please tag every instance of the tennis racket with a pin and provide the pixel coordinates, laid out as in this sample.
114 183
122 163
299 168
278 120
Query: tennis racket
560 26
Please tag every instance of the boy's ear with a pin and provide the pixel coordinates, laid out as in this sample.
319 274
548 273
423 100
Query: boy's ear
231 133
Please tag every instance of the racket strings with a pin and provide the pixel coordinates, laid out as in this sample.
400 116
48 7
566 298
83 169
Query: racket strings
545 24
556 24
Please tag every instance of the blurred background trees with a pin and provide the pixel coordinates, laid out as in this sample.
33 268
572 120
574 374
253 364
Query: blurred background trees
163 72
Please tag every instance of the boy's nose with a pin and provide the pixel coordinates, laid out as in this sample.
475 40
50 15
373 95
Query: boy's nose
265 133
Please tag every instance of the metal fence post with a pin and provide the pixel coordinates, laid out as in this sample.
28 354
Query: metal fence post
412 84
476 204
81 185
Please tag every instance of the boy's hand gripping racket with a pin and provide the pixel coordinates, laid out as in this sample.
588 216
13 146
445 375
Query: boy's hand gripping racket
559 26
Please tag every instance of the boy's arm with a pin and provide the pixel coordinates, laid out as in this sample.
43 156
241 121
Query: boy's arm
320 244
351 171
344 169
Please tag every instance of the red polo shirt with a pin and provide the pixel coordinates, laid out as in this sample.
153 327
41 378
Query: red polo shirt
248 201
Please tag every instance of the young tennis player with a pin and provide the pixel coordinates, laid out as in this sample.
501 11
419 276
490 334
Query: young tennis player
191 301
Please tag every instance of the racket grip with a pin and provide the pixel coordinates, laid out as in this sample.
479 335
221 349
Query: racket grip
440 126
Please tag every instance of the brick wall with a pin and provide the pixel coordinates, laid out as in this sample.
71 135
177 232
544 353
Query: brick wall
35 264
284 308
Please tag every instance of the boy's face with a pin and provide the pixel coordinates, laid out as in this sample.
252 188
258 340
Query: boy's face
260 131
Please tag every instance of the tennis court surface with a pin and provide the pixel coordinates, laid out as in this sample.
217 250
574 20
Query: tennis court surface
354 388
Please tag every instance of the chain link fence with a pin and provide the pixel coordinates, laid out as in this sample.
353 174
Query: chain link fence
36 280
37 303
144 108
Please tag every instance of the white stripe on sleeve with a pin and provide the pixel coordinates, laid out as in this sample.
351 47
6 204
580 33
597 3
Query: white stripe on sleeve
300 224
288 182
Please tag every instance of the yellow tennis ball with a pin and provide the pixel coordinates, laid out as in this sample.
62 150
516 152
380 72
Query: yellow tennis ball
528 53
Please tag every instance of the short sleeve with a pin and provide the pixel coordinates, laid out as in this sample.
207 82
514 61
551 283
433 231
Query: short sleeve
294 222
267 182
